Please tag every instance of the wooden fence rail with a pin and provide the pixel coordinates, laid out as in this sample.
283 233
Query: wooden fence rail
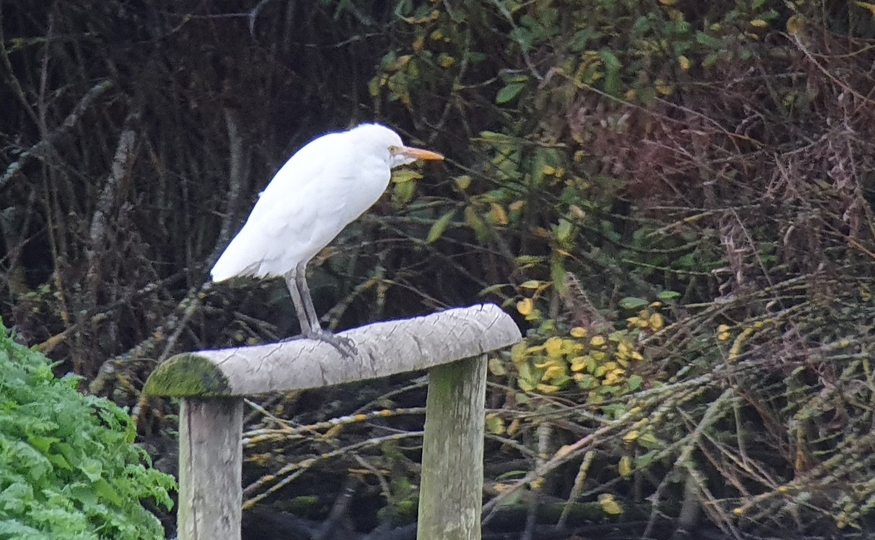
451 344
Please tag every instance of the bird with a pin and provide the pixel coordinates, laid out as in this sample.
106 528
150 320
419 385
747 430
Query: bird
322 188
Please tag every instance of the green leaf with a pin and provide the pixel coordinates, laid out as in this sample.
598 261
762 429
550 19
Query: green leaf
630 302
562 232
635 382
709 41
649 440
106 491
612 63
473 220
403 193
439 226
558 274
645 459
530 260
491 289
401 176
509 92
668 295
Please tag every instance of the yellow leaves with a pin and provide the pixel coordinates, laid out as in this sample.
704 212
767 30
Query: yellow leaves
553 346
549 170
514 427
607 502
648 319
375 84
723 332
614 376
577 212
518 352
433 16
602 364
418 44
496 367
795 24
625 467
579 363
495 424
668 2
631 436
684 62
446 61
497 215
463 182
563 451
759 23
662 87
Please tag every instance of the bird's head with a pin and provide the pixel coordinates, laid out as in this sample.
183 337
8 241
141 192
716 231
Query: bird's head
386 142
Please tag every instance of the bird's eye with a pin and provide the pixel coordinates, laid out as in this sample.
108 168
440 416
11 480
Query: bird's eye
393 150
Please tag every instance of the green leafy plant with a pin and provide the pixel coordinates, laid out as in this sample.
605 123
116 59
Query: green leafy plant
68 465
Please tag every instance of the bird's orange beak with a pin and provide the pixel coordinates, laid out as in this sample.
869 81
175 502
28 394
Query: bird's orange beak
419 153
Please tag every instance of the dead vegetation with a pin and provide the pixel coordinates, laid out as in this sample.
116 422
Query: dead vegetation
695 189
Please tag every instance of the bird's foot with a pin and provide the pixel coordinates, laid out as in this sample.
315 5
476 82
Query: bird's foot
344 345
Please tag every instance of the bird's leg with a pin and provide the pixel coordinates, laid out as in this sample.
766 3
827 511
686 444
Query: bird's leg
300 307
310 327
304 291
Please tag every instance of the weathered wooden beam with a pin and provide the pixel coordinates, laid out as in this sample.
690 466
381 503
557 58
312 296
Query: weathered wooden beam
210 469
451 489
385 349
212 384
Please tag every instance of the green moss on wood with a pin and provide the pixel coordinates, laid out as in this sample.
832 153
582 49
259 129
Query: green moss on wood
187 375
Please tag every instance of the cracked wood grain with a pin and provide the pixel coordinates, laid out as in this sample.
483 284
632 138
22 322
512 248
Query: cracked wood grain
385 349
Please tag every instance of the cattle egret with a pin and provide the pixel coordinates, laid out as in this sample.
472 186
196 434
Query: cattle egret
323 187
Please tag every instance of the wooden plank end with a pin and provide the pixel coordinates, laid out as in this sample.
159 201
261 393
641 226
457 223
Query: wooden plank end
187 375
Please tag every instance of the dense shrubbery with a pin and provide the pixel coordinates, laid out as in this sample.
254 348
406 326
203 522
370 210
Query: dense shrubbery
68 467
674 197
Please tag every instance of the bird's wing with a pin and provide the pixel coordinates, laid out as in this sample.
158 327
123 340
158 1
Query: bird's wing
296 215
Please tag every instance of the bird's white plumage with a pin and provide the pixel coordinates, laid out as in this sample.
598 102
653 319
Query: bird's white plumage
324 186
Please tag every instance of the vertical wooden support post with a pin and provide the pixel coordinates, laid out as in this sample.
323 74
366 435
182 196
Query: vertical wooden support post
451 490
210 469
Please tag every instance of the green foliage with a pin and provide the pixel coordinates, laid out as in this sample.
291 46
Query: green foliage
676 196
648 158
68 466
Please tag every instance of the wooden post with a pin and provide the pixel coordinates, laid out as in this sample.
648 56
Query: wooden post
210 467
451 490
212 384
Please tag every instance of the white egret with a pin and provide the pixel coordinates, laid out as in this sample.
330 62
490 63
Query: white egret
323 187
